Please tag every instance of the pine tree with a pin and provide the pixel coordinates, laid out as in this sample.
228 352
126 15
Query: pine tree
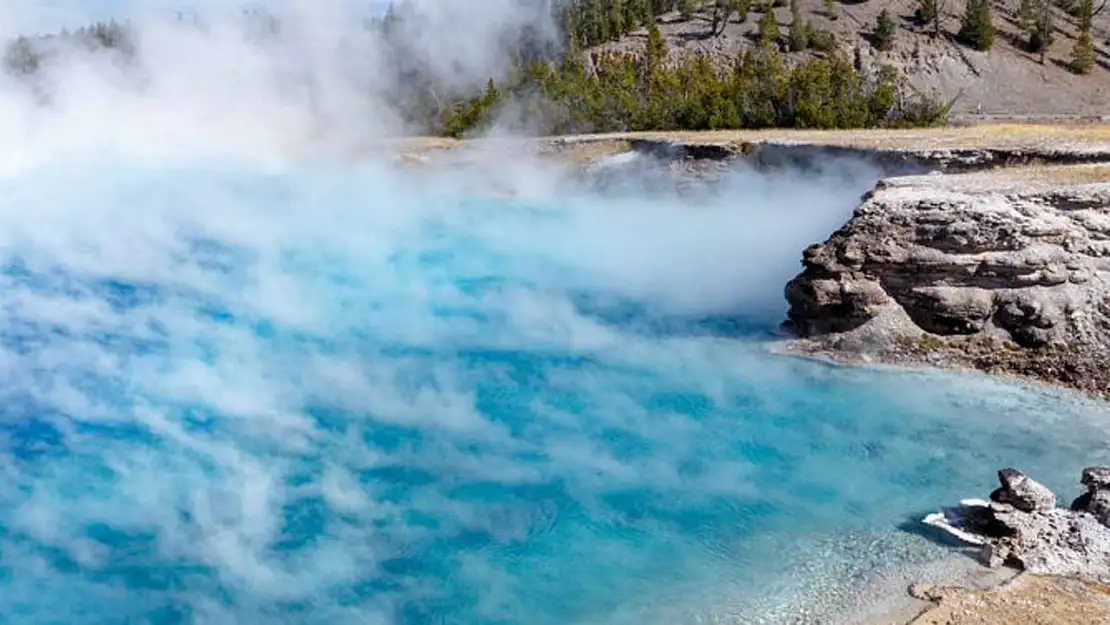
830 9
656 48
925 13
1083 54
636 13
742 9
1043 33
768 28
617 26
1086 14
686 10
1027 14
977 27
722 13
884 31
799 28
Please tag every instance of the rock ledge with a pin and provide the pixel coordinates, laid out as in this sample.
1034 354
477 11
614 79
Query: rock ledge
1004 272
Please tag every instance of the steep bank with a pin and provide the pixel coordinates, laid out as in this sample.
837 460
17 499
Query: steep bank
1003 271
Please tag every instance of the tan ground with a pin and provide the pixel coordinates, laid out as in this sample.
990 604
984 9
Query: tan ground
1076 136
1026 600
990 135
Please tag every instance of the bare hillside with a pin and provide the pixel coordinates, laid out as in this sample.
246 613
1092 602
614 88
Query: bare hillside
1005 82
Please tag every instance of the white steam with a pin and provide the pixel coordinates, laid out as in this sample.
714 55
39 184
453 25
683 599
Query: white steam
245 381
211 83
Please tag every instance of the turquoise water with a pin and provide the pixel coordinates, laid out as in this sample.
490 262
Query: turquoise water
351 395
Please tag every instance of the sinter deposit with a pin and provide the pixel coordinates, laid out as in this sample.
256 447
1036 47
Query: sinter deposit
985 270
1021 526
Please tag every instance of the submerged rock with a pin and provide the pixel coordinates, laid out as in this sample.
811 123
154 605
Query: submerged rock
1022 527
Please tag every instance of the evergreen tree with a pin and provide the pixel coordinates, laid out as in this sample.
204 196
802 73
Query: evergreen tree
722 13
656 53
768 28
1083 54
1043 33
884 31
799 28
977 27
743 7
1086 10
21 57
1027 14
925 13
616 23
637 13
686 10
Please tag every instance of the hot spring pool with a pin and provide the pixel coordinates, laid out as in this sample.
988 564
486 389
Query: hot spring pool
349 396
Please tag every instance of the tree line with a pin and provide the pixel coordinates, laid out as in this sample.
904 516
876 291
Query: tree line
651 91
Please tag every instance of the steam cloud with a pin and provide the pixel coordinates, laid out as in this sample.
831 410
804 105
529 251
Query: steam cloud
249 369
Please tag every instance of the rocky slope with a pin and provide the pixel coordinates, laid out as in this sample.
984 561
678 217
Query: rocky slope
1006 272
1005 82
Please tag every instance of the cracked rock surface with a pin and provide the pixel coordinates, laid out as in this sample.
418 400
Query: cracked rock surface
979 270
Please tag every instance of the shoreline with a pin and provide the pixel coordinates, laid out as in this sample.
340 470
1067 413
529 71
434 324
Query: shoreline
959 584
815 350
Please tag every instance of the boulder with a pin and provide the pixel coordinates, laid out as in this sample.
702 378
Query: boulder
1096 478
1099 506
1022 492
1096 500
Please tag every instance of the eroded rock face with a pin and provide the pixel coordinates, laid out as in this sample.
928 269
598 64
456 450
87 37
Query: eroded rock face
966 270
1022 527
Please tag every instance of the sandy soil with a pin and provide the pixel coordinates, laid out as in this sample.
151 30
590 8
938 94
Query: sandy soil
1025 600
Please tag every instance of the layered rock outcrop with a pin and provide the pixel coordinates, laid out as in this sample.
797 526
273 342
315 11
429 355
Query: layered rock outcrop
1021 526
997 271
